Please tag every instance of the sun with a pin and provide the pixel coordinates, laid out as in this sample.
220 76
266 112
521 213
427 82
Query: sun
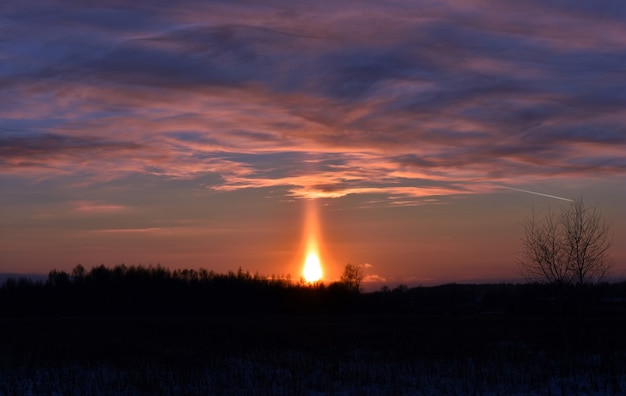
312 268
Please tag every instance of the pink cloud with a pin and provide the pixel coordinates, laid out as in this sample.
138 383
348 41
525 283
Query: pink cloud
374 279
94 207
409 100
129 230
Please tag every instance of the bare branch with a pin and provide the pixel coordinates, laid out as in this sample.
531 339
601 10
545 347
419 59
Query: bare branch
571 247
352 277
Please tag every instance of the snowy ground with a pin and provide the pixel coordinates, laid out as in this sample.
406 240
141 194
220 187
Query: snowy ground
292 357
296 372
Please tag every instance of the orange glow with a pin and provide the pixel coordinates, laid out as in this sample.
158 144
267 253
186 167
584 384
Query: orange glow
312 271
312 268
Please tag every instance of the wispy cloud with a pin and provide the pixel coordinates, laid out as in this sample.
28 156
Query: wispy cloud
128 230
404 99
97 207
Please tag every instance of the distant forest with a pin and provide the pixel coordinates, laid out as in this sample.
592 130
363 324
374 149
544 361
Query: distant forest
137 290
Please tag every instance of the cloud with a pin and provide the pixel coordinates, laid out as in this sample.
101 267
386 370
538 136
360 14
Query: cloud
44 146
374 279
57 153
96 207
409 100
129 230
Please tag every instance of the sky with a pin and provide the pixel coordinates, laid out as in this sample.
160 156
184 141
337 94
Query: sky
413 136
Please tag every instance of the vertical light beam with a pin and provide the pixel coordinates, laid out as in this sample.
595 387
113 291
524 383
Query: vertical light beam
312 270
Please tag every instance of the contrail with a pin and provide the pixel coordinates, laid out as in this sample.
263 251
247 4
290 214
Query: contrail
535 192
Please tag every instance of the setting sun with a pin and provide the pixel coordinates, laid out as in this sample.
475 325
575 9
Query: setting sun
312 268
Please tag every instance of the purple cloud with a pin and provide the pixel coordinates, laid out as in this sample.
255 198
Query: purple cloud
403 99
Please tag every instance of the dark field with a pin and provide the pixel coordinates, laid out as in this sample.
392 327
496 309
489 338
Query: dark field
150 331
312 354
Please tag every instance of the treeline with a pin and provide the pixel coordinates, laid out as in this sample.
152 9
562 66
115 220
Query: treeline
137 290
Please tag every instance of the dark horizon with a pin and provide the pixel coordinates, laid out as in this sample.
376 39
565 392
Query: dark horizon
367 286
136 330
139 290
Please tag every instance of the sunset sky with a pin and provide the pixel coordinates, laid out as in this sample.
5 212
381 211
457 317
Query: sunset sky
414 136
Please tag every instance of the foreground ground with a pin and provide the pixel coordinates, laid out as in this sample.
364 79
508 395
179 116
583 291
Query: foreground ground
366 354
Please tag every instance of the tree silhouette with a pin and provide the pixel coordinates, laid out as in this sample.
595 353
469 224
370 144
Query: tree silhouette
78 274
568 247
543 250
352 277
587 243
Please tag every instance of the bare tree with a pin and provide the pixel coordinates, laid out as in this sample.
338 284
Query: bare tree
587 243
566 247
352 277
542 250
